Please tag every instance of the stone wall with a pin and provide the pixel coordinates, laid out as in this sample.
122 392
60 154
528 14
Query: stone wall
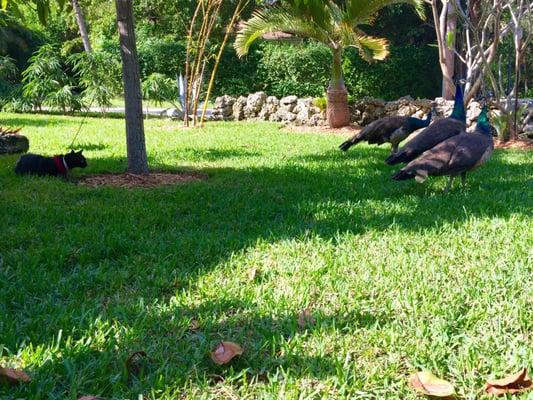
292 110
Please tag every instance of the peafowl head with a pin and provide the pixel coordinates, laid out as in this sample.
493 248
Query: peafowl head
416 123
459 111
483 123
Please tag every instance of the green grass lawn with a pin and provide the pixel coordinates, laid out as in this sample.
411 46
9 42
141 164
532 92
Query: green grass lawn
399 277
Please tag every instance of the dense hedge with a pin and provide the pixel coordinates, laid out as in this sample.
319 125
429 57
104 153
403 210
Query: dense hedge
303 69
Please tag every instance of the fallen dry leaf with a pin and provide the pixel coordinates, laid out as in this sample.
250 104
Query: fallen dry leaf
10 376
134 364
252 273
225 351
305 318
512 384
89 398
426 383
194 325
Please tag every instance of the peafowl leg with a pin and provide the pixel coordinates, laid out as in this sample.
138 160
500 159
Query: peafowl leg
463 179
448 185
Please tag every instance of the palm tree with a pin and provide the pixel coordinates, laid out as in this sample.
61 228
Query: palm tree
332 22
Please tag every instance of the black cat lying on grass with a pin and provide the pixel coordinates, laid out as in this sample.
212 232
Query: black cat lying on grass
34 164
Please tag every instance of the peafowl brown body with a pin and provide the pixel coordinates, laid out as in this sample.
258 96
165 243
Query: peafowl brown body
391 130
434 134
454 156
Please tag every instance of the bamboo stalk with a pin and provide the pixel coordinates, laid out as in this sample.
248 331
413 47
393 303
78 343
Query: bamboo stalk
238 9
187 62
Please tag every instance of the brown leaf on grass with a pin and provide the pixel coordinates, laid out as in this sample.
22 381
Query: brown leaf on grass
426 383
252 273
225 351
134 364
12 377
194 325
512 384
89 398
305 318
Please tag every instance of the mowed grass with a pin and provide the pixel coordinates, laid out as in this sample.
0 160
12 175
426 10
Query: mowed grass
398 276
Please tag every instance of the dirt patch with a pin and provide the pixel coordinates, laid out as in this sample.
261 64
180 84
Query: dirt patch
522 144
154 179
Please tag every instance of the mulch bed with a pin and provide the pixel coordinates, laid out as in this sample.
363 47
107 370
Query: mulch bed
522 144
154 179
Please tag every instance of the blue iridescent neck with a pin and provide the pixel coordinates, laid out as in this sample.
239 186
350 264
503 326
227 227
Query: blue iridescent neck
483 124
459 111
420 123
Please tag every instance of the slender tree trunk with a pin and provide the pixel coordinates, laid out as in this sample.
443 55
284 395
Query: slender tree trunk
448 88
445 22
137 160
338 112
82 26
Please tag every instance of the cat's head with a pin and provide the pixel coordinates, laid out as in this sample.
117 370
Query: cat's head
75 159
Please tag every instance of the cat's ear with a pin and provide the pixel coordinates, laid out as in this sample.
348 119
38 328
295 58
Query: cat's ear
81 151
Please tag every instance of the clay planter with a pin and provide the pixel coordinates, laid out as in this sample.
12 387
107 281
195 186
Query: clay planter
338 113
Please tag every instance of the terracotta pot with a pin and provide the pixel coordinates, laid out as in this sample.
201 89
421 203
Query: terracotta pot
338 112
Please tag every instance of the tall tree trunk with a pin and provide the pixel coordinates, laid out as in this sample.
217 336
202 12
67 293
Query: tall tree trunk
82 26
137 161
445 22
338 112
448 87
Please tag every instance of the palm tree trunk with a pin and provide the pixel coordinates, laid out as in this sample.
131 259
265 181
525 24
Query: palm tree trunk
338 112
137 160
82 26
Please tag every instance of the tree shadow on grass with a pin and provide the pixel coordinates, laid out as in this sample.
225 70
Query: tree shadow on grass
118 247
178 343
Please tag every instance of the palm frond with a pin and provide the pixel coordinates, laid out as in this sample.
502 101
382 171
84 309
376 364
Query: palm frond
371 48
275 20
361 10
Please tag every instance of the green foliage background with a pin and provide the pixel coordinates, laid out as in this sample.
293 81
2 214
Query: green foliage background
300 68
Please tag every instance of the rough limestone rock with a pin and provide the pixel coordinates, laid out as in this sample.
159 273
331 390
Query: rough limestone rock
254 104
238 108
269 108
285 115
296 111
288 103
318 119
304 110
11 142
473 110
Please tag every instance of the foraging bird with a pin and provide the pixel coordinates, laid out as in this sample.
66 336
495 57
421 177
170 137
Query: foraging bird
434 134
391 130
454 156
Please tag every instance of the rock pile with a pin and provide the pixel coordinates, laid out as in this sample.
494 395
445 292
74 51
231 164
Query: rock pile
292 110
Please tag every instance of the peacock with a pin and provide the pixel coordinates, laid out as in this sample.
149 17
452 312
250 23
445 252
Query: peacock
434 134
391 130
454 156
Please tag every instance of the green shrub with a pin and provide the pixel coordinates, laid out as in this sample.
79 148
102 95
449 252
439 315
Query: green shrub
164 56
46 83
301 69
409 70
159 88
321 102
238 76
98 75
